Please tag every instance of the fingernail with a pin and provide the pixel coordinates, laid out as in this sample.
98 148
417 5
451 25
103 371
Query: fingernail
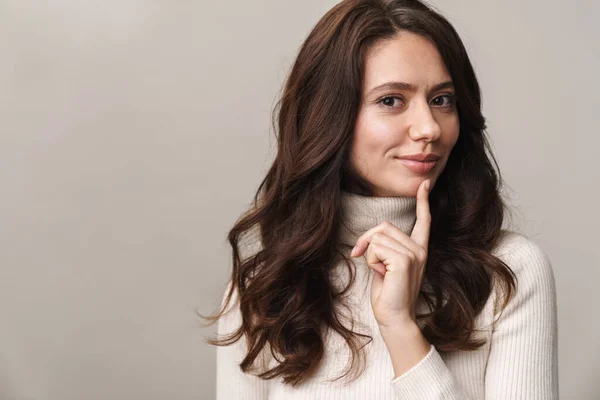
353 251
428 184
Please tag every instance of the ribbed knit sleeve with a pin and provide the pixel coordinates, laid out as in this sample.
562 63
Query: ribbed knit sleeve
232 383
523 359
428 379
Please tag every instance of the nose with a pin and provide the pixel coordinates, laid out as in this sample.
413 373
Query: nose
424 126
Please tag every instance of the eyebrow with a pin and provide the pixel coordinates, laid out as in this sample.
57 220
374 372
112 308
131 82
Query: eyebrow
397 85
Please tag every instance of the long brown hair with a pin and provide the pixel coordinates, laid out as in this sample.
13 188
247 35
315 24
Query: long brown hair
284 289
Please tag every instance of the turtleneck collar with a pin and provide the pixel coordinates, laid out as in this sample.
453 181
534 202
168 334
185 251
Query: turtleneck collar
361 213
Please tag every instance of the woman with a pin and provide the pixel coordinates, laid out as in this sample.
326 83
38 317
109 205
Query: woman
373 264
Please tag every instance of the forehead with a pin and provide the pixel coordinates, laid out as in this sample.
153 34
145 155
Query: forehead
405 57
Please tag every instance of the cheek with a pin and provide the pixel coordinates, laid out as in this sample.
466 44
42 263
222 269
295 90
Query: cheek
451 130
448 143
366 145
373 135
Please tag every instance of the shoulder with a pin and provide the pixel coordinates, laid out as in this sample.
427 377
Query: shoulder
523 255
530 265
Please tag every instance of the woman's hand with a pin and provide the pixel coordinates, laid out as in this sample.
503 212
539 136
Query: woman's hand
399 262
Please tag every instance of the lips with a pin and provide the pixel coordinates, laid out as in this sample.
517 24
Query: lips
421 157
420 167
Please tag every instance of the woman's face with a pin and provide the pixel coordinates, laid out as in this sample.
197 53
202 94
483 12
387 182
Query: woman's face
403 111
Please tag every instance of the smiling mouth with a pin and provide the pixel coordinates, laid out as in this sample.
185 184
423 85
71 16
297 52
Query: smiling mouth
420 167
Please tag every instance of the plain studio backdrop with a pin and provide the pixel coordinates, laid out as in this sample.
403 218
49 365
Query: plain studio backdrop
134 133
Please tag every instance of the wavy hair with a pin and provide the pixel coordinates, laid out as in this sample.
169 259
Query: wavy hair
285 290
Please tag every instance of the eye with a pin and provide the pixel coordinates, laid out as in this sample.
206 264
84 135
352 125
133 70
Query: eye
450 103
388 101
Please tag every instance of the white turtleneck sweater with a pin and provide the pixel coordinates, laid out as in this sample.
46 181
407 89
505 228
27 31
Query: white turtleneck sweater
518 361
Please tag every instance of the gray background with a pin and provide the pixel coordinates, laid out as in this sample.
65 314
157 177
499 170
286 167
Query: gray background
134 133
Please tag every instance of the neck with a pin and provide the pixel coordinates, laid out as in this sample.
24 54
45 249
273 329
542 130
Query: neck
361 213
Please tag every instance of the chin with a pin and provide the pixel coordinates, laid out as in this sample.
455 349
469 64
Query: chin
408 188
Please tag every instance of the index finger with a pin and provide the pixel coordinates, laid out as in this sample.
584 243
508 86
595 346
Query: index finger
420 233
